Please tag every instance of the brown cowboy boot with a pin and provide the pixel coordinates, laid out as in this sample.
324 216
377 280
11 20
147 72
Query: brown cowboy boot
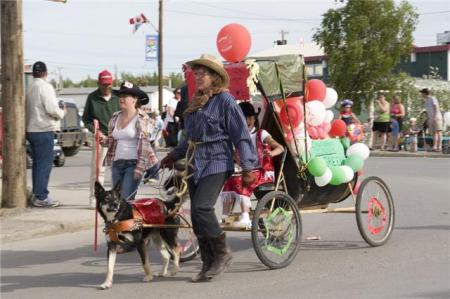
222 258
207 257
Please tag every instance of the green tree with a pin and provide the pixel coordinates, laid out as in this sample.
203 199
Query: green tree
363 41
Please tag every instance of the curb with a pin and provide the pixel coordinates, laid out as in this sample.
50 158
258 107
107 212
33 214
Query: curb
408 155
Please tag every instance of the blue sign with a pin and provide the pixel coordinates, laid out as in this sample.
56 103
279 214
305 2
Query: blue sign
151 47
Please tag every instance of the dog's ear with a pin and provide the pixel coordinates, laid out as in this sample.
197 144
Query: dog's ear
117 186
98 189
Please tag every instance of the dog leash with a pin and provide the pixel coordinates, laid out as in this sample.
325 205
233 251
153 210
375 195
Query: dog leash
97 174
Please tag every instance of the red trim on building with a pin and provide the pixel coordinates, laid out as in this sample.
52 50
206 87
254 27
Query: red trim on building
438 48
315 58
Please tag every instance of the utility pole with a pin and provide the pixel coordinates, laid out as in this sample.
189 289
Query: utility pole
116 79
160 57
283 41
13 101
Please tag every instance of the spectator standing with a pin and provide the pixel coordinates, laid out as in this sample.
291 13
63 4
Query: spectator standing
397 114
434 118
381 125
171 126
129 149
43 115
100 105
181 107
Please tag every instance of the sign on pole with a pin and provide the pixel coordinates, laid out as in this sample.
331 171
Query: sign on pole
151 47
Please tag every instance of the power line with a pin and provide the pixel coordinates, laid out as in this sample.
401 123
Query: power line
434 12
242 18
247 13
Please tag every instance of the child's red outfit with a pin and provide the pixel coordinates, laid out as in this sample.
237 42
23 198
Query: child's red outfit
264 174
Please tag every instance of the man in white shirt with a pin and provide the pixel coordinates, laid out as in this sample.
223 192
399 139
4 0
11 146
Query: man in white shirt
43 115
171 125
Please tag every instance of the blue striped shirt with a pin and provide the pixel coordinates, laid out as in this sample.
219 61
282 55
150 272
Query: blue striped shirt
217 126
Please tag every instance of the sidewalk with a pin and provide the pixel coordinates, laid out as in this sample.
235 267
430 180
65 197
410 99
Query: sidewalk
71 216
29 223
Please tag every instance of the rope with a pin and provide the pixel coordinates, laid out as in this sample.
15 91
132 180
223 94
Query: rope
183 188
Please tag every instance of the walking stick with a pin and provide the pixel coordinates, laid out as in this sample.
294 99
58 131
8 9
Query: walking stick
97 173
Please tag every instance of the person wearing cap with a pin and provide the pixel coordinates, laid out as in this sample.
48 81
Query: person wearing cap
266 149
214 125
434 118
100 105
43 115
129 149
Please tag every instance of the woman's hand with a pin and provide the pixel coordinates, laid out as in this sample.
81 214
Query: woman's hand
248 177
267 153
167 162
137 176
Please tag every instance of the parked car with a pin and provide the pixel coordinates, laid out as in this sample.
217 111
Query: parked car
59 159
72 135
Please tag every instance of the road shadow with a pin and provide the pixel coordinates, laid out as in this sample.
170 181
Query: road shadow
333 245
424 227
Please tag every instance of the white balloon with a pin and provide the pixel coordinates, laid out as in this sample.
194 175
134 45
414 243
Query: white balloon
348 173
359 149
315 113
324 179
331 97
447 118
329 115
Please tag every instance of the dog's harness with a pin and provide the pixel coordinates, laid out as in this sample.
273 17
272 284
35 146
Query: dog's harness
129 225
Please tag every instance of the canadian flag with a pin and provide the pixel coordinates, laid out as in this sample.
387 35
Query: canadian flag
137 21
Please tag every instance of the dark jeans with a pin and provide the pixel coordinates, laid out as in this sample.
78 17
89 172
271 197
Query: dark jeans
41 144
204 195
123 172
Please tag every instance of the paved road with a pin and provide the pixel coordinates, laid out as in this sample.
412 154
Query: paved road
415 263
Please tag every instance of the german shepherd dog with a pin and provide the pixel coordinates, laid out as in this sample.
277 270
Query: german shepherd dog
114 209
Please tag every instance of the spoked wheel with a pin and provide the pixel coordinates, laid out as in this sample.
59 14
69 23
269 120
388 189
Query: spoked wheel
276 229
374 211
186 237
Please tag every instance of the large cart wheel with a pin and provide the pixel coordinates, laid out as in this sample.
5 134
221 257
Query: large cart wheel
276 229
374 211
186 237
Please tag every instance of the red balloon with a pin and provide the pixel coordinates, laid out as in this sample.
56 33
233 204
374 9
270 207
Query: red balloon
233 42
315 90
338 128
295 111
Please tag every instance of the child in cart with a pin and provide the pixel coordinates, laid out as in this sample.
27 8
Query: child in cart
266 148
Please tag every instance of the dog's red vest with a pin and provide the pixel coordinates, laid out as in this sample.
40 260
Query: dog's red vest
151 209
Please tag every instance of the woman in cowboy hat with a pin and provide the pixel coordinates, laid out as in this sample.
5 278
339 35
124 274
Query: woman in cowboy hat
266 148
214 125
129 150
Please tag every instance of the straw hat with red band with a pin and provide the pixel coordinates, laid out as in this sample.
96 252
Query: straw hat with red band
128 88
214 64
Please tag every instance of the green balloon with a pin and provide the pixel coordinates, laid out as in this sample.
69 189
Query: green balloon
317 166
338 175
345 142
355 162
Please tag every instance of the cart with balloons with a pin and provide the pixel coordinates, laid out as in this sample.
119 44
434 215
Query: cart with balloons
320 167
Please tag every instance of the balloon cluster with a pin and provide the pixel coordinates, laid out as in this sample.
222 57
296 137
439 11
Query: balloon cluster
340 174
319 120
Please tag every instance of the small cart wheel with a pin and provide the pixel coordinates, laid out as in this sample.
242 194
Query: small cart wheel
276 229
374 211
